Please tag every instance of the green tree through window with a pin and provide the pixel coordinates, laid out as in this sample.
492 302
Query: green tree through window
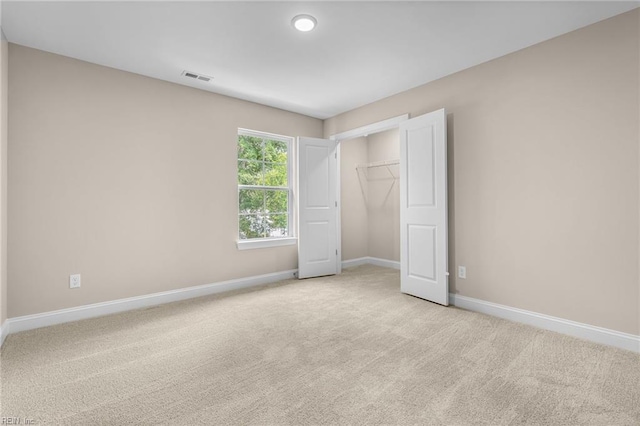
263 185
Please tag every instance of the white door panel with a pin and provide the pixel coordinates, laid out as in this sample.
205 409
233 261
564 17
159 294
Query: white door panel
423 207
317 178
317 237
318 232
422 251
420 149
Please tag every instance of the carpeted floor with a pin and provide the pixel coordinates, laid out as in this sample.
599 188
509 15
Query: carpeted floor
349 349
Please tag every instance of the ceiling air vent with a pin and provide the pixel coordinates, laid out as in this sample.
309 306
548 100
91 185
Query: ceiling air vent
195 76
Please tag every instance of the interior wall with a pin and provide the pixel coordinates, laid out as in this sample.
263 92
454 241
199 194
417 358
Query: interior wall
544 165
383 201
4 61
127 180
353 207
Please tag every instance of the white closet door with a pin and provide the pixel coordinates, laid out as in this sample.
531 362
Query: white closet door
317 204
423 207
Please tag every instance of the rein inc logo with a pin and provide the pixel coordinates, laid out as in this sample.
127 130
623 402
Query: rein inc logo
16 421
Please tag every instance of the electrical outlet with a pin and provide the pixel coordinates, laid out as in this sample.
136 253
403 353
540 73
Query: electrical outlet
74 281
462 272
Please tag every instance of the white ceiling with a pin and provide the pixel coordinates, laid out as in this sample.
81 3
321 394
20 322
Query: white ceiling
360 51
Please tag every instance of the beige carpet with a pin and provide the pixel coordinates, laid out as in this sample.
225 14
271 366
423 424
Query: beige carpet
339 350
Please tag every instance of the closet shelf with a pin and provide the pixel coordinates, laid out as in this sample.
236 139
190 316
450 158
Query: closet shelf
385 163
363 177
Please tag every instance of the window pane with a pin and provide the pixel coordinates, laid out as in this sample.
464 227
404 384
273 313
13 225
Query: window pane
253 226
277 201
275 151
278 225
263 213
249 148
275 174
249 172
251 201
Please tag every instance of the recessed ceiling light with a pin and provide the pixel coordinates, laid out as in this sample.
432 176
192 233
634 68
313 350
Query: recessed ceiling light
304 23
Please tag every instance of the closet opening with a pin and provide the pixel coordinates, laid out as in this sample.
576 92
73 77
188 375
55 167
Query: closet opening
369 194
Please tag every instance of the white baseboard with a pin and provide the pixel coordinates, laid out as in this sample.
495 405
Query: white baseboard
29 322
384 263
371 260
4 330
355 262
571 328
583 331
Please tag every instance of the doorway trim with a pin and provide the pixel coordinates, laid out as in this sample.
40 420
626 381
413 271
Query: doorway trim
369 129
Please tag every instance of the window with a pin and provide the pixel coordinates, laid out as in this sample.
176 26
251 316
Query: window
264 186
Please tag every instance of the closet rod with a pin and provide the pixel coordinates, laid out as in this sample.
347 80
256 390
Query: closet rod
378 164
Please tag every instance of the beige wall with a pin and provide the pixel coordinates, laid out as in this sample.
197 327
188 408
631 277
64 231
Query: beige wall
384 196
543 160
127 180
353 207
4 62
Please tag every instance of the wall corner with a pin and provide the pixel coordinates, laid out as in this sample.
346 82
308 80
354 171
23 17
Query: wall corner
4 61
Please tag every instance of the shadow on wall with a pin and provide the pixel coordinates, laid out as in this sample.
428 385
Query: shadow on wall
451 201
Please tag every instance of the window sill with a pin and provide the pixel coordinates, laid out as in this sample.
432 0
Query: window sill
266 243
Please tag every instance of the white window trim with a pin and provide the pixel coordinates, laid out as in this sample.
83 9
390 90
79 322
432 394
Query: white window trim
258 243
291 239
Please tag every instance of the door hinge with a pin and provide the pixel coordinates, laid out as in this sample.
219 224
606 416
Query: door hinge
336 204
336 252
335 155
